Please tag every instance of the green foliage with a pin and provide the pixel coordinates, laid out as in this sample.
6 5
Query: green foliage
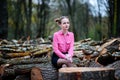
41 21
115 17
97 32
91 33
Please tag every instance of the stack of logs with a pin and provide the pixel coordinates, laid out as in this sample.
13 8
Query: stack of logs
24 60
20 60
106 53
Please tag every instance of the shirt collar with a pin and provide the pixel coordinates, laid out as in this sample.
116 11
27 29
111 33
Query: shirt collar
60 32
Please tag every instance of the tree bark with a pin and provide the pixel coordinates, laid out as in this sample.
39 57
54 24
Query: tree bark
20 61
47 70
27 53
86 73
3 19
118 19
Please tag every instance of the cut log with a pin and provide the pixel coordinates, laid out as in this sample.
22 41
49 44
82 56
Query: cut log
101 49
26 61
2 61
38 53
27 53
1 71
105 59
36 74
107 44
114 49
2 68
115 65
47 70
13 55
86 73
22 77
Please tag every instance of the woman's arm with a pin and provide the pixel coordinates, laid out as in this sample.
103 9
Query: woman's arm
55 47
70 51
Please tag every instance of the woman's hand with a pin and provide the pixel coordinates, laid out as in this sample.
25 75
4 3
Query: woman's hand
69 58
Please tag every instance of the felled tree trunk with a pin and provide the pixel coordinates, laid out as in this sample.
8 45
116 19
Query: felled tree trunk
47 70
36 74
27 53
26 61
13 55
109 52
22 77
105 59
115 65
86 73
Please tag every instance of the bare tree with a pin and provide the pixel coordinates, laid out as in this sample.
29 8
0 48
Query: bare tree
114 18
3 19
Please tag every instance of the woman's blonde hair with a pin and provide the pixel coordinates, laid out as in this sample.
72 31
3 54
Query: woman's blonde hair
58 20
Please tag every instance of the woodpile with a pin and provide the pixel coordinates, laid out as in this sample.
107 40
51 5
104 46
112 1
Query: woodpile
22 59
90 53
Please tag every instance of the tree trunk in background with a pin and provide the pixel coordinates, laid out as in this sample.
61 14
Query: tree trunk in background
87 19
110 13
116 22
99 19
42 19
18 19
28 16
43 12
118 19
40 9
114 16
17 14
3 19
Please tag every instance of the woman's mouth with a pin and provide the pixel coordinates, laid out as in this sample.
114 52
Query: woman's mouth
66 27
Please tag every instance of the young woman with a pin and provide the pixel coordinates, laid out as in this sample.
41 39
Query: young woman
63 42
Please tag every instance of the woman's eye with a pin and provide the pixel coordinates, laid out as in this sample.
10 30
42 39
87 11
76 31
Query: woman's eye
66 23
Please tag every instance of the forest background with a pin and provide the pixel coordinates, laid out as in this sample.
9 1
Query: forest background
35 18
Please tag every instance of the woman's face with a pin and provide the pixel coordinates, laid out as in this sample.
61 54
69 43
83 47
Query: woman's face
65 24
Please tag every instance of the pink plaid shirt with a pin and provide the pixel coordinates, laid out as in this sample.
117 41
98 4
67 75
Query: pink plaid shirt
63 43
